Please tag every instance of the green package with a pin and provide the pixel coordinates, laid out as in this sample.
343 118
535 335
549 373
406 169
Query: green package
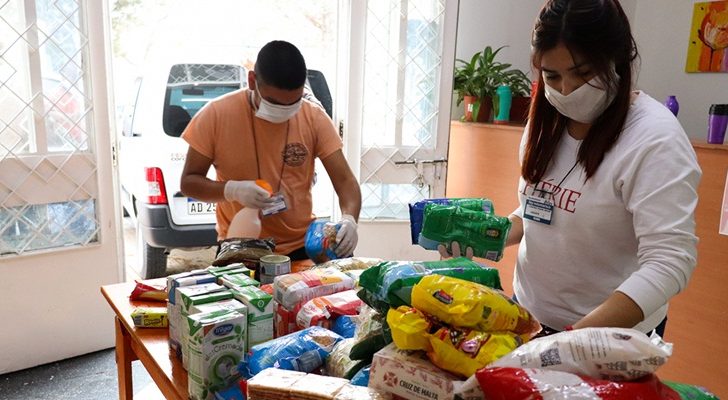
485 233
389 284
690 392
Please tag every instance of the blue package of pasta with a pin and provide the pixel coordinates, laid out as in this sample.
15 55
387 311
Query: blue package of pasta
320 241
303 351
344 326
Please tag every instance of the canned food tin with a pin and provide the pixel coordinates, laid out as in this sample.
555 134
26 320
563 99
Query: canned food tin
274 265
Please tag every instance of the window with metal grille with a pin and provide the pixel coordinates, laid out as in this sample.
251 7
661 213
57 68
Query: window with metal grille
48 172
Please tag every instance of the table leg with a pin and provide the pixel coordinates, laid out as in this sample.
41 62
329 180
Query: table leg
124 357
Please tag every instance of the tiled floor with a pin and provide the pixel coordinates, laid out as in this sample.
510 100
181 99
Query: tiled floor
93 376
88 377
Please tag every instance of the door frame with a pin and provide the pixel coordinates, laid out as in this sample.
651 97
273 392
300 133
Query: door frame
53 296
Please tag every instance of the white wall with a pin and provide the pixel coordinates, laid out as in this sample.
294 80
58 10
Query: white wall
496 23
399 248
660 27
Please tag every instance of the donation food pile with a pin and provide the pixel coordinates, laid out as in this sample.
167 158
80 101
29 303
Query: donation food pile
366 328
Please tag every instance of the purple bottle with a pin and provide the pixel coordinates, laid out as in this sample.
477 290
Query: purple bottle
717 123
672 105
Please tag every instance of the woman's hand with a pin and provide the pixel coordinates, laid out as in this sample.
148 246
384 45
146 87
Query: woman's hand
454 251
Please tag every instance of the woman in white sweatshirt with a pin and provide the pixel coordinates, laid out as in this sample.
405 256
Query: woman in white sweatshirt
608 183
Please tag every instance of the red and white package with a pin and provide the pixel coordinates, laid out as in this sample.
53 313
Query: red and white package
540 384
149 292
284 321
615 354
321 310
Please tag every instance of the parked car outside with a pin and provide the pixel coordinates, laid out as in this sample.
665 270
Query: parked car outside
152 155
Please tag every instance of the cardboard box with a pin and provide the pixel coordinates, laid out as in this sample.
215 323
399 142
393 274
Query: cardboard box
410 375
260 313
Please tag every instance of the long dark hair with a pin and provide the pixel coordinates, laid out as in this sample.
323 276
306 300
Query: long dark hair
599 32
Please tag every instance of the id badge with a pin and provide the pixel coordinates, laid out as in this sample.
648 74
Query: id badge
539 209
278 206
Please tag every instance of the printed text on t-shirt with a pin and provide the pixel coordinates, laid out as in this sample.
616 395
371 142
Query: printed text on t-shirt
563 198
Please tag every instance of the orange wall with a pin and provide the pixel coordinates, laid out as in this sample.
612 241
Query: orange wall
483 162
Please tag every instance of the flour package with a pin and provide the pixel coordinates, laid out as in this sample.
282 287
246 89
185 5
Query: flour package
616 354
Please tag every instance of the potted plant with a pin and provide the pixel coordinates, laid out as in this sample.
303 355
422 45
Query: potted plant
521 89
475 83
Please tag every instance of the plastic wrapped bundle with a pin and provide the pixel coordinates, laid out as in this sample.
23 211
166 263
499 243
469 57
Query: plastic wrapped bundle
470 305
390 283
320 241
303 351
530 383
485 233
417 210
617 354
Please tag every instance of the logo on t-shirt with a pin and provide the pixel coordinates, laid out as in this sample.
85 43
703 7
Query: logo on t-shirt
295 154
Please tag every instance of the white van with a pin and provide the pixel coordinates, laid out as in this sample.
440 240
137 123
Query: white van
152 155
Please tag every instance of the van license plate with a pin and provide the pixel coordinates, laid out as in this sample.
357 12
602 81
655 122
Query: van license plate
195 207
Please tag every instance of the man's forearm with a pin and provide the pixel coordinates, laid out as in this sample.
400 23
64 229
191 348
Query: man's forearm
203 189
350 201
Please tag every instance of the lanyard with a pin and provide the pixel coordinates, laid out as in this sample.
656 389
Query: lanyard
559 185
255 144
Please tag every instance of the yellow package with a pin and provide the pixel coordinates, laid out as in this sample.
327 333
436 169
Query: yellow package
464 351
150 317
470 305
409 328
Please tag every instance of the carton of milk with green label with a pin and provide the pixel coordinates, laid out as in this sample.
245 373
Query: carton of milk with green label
189 298
233 281
260 313
177 324
216 346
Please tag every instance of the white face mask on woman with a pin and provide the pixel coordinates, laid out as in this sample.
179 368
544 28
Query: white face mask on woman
584 104
276 113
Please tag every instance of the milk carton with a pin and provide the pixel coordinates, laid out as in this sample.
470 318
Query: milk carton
195 277
237 268
233 281
260 313
216 345
187 302
230 305
174 304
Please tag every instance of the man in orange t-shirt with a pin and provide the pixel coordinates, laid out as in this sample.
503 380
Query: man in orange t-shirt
270 132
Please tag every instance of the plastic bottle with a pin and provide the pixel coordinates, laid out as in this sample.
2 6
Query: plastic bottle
246 223
717 123
672 104
504 96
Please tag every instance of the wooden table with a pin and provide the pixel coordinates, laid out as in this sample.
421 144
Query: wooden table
148 345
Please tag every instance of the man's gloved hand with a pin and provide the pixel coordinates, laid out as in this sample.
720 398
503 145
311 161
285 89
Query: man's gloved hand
247 193
454 251
347 237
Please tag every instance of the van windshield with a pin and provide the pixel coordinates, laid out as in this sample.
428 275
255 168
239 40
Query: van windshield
191 86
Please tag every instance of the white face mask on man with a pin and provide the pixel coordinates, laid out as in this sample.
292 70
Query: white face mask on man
276 113
584 104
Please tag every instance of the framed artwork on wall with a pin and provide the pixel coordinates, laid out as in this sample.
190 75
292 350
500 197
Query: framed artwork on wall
708 47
